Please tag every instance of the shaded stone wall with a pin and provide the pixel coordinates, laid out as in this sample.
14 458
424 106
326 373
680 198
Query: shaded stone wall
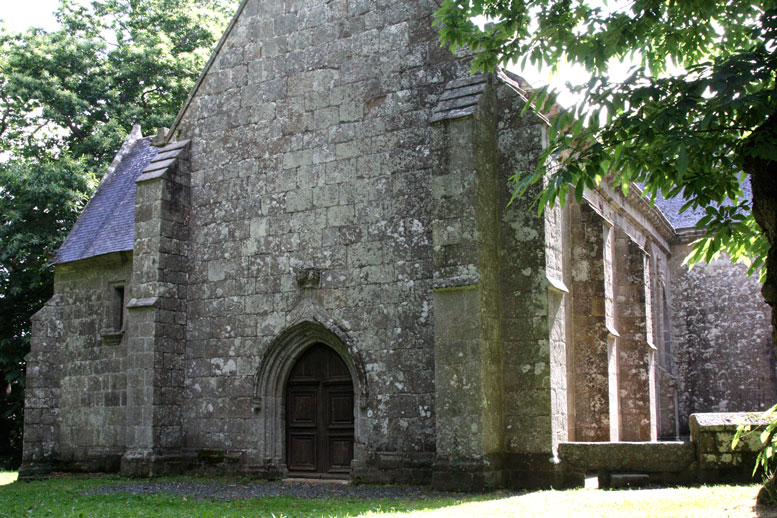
723 348
667 404
666 462
90 361
42 390
635 352
310 150
532 374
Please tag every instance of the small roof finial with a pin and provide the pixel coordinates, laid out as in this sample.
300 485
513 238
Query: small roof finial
160 137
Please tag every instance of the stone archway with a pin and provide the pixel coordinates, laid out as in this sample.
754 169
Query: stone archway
270 390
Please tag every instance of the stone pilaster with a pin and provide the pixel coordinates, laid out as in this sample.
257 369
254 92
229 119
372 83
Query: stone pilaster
592 338
157 316
636 375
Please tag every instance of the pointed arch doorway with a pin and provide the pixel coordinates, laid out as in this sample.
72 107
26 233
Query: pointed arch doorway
319 415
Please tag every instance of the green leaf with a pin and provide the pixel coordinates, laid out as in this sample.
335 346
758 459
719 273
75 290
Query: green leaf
682 161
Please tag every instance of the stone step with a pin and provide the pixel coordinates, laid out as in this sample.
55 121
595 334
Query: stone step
629 479
303 480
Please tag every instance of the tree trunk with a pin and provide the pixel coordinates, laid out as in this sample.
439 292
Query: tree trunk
763 179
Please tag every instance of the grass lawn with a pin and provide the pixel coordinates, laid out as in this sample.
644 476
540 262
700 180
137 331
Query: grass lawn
65 497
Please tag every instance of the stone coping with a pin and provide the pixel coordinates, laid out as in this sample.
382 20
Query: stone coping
725 421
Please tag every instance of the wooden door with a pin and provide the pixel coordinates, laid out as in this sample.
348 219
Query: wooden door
319 415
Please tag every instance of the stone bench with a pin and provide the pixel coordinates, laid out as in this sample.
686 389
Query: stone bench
670 462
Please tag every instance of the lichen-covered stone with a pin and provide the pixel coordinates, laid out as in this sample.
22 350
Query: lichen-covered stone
337 178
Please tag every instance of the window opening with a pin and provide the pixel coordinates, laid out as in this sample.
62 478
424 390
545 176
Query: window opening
118 307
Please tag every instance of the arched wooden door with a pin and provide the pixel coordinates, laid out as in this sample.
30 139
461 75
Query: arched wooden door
319 415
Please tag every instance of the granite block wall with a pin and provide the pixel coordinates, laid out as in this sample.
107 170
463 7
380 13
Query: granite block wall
533 418
592 340
635 351
310 150
42 391
724 364
83 360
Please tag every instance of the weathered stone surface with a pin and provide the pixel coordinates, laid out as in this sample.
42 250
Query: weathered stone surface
722 350
592 336
663 462
713 434
337 178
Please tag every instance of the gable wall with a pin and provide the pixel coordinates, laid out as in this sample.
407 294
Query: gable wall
310 150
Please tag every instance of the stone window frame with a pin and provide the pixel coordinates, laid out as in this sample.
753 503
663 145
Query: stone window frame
269 401
115 313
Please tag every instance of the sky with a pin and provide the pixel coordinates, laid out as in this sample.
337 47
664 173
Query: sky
18 15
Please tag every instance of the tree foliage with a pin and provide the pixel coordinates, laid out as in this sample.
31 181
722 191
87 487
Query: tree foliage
112 64
39 201
695 116
68 98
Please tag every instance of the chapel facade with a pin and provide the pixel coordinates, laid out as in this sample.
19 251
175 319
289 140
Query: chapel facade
317 272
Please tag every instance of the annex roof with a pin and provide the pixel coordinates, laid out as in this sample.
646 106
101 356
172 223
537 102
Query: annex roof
107 223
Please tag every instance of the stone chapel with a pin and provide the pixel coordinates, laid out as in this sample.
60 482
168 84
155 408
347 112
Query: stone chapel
315 272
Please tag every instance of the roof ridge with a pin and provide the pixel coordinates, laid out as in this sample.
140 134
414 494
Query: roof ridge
216 51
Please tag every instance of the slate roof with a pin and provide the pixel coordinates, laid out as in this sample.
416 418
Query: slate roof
107 223
671 209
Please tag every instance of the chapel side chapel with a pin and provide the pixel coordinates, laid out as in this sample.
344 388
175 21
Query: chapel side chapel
316 273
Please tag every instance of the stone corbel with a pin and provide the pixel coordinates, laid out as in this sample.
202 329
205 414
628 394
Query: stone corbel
111 336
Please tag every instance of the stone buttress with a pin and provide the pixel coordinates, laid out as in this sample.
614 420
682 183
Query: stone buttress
157 316
500 378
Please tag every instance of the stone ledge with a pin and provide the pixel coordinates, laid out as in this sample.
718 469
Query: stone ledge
461 281
724 421
627 456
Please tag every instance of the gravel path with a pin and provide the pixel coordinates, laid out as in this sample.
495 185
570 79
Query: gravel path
261 489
